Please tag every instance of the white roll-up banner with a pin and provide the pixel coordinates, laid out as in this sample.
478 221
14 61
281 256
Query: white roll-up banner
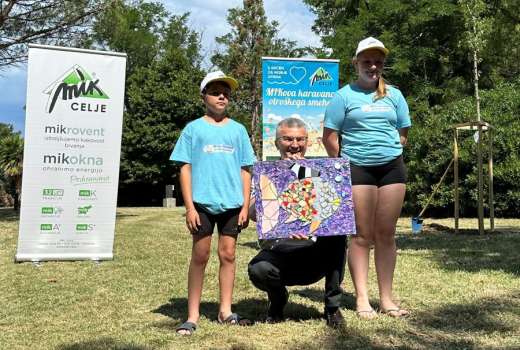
73 126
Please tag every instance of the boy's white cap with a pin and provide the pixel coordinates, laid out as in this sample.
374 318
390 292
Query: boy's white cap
371 43
218 76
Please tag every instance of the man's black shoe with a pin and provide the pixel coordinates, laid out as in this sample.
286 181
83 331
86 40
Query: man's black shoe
334 318
275 310
274 317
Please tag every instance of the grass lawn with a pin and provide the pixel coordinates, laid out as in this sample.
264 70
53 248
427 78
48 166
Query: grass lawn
464 292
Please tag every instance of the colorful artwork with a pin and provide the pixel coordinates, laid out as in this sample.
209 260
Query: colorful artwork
311 197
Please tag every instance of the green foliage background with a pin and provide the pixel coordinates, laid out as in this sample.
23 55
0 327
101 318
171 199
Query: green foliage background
162 92
431 61
430 150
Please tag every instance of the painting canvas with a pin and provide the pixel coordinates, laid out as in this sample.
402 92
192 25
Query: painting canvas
307 196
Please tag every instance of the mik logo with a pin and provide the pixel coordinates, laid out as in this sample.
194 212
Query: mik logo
320 75
80 159
74 83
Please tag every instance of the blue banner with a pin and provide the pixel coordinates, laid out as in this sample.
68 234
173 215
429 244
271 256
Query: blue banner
300 88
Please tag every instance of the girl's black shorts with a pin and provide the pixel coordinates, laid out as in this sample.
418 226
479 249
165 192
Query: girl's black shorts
393 172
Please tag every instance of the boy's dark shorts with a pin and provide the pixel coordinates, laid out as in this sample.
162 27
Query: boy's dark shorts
393 172
227 222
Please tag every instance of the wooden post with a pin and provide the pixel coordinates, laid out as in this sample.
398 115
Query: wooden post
480 127
480 183
456 177
490 170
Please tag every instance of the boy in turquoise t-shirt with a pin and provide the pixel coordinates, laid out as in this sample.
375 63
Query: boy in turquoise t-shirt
215 178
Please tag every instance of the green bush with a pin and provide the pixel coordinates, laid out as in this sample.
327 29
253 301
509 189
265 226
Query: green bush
430 150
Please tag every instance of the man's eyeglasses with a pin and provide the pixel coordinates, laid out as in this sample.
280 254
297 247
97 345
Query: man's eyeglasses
291 139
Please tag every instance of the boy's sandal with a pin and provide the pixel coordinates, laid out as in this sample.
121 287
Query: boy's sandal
188 326
366 314
396 312
235 319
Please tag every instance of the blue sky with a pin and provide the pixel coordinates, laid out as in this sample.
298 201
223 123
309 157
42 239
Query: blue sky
207 17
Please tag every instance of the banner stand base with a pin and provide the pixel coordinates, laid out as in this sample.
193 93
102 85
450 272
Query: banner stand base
19 258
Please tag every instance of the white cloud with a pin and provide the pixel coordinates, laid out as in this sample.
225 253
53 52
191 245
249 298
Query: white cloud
295 21
274 118
209 18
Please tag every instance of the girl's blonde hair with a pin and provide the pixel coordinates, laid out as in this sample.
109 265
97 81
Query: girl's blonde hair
381 89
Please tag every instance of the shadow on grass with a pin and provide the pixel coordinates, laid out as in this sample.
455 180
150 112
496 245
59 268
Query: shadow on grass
253 309
448 327
467 252
120 215
354 338
485 315
348 301
103 344
252 245
435 227
9 215
349 338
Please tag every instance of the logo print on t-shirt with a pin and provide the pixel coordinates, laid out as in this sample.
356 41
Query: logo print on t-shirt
375 108
218 149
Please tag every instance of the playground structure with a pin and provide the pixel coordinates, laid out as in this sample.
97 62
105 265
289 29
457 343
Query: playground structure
480 127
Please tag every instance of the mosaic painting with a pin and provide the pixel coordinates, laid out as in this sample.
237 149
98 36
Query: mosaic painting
311 197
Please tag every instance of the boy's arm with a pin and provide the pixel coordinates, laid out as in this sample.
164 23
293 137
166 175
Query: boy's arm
243 217
192 217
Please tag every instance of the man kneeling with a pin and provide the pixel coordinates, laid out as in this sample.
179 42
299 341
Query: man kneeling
298 260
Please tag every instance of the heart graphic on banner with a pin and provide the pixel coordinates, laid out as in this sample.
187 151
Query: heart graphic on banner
297 73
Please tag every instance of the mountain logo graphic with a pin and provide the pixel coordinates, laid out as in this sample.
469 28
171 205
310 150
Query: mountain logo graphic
74 83
320 75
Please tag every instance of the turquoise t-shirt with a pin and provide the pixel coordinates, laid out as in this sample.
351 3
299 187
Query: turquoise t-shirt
216 154
368 128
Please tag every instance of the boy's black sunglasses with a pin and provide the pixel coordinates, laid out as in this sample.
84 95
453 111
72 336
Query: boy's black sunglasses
217 93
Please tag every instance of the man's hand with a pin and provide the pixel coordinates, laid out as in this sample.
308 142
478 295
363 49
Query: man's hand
192 220
299 236
243 218
294 156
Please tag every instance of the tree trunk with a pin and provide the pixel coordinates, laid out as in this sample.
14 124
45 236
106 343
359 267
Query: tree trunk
17 193
475 72
256 138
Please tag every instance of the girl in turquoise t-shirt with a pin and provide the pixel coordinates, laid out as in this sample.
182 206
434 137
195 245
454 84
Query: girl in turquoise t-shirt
371 119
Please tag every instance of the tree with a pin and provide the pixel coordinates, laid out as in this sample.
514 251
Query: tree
161 95
11 162
430 62
56 22
477 28
423 38
428 43
135 28
251 37
429 152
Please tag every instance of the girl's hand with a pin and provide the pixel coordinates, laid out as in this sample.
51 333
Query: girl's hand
192 220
